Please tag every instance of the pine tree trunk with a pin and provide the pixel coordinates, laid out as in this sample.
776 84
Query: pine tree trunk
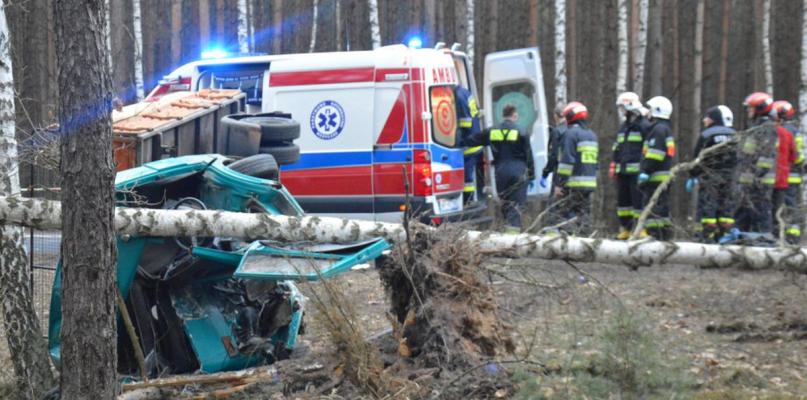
277 22
766 45
375 32
430 12
641 48
23 333
176 32
138 49
560 53
724 51
469 38
44 214
656 48
204 24
571 66
243 29
89 287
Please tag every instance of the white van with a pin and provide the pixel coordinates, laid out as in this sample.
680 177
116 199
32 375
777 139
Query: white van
368 116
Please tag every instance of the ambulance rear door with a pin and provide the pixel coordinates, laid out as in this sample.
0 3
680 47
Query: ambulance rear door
515 77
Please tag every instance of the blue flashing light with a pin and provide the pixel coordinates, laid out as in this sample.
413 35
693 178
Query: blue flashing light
213 54
415 43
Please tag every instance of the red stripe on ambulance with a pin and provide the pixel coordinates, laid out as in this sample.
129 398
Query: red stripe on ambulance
393 128
343 181
327 77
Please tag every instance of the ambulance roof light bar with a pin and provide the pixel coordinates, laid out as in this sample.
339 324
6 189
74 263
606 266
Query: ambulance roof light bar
415 43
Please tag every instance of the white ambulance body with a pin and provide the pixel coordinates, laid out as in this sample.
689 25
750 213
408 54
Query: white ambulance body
368 116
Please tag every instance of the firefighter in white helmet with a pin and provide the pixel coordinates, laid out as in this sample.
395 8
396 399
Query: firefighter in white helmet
627 156
658 155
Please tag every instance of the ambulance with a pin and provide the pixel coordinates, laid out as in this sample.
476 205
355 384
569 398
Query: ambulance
373 122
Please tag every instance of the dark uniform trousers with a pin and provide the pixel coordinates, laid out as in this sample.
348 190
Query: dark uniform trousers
754 214
789 199
658 223
512 174
716 206
629 199
575 204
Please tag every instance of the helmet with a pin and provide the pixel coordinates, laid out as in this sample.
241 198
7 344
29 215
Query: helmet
575 111
784 110
761 102
660 107
721 114
629 100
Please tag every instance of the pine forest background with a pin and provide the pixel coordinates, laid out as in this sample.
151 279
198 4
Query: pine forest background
695 60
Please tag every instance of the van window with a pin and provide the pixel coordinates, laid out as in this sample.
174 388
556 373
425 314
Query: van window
444 115
249 82
462 73
519 94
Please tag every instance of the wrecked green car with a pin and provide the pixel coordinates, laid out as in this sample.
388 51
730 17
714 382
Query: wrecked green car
212 304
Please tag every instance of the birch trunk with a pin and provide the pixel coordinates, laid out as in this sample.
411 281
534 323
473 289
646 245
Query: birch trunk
243 29
314 28
338 16
375 32
622 35
89 284
803 84
46 215
23 333
138 50
696 90
560 53
766 45
469 34
641 48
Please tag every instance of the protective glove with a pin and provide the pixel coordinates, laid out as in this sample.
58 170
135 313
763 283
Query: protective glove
612 171
691 182
543 182
643 178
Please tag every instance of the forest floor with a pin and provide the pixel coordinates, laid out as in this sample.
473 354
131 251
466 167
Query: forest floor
672 332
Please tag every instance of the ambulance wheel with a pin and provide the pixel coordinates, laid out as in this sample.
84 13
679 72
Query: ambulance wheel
275 129
260 166
288 154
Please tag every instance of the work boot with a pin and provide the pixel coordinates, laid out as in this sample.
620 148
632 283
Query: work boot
624 234
643 234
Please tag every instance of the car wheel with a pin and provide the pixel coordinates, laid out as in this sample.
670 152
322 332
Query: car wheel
275 129
288 154
260 166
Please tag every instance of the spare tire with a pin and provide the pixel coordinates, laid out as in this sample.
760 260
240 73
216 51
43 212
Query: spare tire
287 154
260 166
276 129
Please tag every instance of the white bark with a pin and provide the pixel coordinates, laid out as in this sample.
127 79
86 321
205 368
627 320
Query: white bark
803 84
560 52
375 32
138 48
469 38
22 329
766 45
641 48
314 28
622 35
338 25
108 17
243 30
44 214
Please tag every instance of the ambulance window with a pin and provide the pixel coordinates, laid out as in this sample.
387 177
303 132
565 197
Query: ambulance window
248 81
444 115
462 72
519 94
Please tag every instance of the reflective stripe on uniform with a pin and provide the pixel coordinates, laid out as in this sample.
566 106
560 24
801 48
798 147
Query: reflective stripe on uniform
659 176
498 135
587 146
620 137
709 221
765 162
655 154
794 231
670 147
750 146
471 150
632 167
657 223
469 187
635 137
637 213
466 122
624 212
769 178
565 169
472 106
582 182
725 221
794 177
746 177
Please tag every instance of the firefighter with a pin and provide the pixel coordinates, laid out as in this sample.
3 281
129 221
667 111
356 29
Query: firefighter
757 165
788 160
713 176
553 148
468 116
625 165
658 151
786 114
577 167
512 158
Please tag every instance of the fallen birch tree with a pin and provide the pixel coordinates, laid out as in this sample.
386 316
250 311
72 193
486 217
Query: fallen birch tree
46 215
